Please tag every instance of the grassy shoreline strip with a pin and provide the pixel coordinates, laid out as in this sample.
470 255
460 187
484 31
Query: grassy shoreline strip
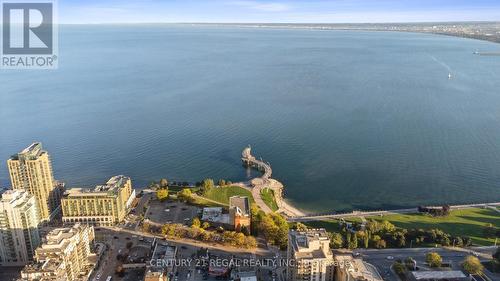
267 195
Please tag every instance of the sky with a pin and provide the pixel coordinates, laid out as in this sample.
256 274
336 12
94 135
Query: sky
276 11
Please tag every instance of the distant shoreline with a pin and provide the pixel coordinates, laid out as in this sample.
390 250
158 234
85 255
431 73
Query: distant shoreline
484 31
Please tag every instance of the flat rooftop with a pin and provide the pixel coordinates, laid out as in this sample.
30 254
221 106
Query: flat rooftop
111 187
244 276
57 239
308 244
357 268
241 203
164 252
214 214
31 152
438 275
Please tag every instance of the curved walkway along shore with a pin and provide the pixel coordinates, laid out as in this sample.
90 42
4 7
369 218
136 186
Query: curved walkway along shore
383 213
256 185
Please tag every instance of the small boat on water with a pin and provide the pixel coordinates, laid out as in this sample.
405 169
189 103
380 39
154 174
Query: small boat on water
449 76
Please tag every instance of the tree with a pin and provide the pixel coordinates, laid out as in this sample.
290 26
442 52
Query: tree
129 244
378 242
336 240
457 241
185 195
434 259
366 241
146 227
467 241
274 228
239 239
410 263
196 223
162 194
353 243
163 183
446 210
372 226
299 226
386 226
222 182
282 236
399 268
381 244
250 242
245 230
400 239
472 265
207 184
205 225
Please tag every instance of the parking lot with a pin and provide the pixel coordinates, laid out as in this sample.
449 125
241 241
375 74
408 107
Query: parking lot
171 212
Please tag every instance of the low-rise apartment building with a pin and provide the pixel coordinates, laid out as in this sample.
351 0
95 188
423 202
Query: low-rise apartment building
311 255
64 255
103 205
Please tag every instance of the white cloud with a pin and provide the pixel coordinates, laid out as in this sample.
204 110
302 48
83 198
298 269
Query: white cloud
262 6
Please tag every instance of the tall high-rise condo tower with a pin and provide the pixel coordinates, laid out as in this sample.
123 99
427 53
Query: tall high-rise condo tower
31 170
19 221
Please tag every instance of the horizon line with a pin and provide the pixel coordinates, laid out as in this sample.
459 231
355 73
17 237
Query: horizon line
284 23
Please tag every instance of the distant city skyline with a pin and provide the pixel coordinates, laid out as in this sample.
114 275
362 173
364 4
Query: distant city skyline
276 11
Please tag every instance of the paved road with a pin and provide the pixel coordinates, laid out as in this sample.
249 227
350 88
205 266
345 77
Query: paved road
383 259
188 242
118 237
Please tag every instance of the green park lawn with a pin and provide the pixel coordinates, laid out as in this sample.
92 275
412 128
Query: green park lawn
329 225
202 202
222 194
268 198
467 222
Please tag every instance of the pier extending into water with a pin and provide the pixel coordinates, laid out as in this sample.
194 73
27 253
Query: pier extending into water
250 161
256 185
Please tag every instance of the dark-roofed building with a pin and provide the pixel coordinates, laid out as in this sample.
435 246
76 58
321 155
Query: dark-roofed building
239 212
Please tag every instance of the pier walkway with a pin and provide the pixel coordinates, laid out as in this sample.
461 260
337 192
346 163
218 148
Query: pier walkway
256 185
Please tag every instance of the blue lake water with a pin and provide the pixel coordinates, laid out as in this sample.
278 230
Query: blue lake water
347 119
